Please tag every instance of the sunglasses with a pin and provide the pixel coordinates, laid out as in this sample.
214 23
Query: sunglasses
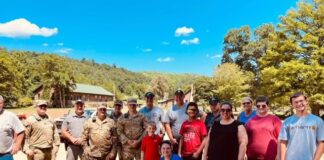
246 103
226 110
263 106
192 110
132 105
118 105
102 109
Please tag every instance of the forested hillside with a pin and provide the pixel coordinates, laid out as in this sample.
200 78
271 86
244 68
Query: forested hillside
23 71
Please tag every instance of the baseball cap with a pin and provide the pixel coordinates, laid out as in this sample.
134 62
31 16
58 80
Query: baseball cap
132 101
213 100
119 102
179 92
41 102
79 101
149 95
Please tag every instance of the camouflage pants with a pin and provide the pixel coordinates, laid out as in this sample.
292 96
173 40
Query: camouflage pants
87 157
129 153
41 154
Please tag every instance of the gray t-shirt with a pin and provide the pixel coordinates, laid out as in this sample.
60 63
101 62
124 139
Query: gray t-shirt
154 115
74 124
175 116
9 124
302 134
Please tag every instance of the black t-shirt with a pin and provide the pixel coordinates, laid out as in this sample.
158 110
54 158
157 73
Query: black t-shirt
223 141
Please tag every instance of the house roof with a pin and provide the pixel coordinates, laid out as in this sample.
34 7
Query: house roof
90 89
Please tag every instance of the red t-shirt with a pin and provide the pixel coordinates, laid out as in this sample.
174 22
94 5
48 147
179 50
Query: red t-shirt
150 147
263 135
193 133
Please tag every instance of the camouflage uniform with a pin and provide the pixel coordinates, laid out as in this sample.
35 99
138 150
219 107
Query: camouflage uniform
42 137
131 128
119 145
99 139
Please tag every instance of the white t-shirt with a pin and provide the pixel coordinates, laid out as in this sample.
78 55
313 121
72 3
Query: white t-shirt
175 116
9 124
155 115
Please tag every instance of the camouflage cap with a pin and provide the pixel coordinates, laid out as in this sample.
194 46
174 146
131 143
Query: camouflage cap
102 106
245 99
41 102
118 102
132 101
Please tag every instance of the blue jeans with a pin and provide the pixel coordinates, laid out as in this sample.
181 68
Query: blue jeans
7 156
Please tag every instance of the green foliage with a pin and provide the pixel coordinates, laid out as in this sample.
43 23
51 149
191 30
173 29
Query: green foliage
22 72
285 59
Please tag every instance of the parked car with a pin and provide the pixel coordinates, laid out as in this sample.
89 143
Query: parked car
90 112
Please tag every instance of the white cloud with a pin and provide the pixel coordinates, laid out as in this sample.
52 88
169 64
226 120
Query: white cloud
60 44
22 28
147 50
190 41
45 44
184 31
165 43
166 59
216 56
64 50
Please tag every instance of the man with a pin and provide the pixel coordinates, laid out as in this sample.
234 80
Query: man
118 106
174 118
72 127
248 112
131 130
214 114
263 141
152 113
10 126
42 139
302 134
99 137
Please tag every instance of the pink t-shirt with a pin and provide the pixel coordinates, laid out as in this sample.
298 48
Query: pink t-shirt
263 135
193 133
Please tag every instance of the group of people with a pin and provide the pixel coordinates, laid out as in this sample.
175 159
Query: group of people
193 134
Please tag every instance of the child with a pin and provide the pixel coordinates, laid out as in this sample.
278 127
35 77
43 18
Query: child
166 151
193 135
150 143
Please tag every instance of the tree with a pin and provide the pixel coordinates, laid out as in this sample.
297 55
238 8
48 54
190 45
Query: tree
159 86
232 83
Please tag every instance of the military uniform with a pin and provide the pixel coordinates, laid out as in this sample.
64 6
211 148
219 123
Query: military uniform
131 128
41 136
99 139
119 145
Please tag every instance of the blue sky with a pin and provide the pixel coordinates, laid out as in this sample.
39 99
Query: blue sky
178 36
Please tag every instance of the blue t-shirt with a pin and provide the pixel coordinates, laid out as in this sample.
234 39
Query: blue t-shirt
302 134
155 115
244 118
173 157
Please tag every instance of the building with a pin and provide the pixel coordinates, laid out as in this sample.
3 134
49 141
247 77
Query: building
93 96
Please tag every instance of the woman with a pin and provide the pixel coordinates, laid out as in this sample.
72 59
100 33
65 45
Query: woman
166 151
263 131
227 138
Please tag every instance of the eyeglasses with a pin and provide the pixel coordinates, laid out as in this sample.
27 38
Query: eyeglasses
226 110
263 106
246 103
